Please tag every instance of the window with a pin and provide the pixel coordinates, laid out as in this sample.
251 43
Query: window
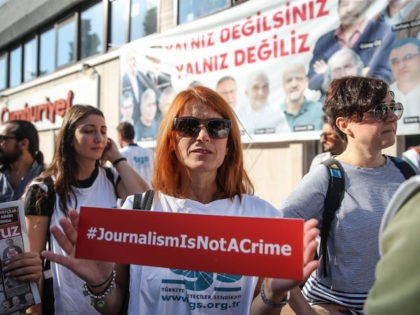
189 10
119 19
16 66
66 42
46 52
3 72
81 35
30 60
91 34
143 18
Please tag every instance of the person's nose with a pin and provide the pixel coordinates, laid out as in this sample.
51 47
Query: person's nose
399 63
98 137
203 135
391 117
339 72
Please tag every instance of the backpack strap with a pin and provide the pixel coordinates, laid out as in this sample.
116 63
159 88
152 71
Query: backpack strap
332 202
143 201
110 176
405 168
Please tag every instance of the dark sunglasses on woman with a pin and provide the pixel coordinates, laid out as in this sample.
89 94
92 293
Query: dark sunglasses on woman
381 111
217 128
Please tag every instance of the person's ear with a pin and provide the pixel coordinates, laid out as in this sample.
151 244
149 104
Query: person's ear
344 125
24 143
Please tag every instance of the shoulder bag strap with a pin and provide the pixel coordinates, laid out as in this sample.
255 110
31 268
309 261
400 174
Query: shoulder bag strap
143 201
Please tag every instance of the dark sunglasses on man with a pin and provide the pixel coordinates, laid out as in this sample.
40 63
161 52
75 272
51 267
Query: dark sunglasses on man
327 135
5 138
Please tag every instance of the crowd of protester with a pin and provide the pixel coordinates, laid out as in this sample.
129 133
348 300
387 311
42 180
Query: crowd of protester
198 168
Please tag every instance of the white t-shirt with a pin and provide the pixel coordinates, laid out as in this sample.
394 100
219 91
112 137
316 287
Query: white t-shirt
68 292
141 159
164 291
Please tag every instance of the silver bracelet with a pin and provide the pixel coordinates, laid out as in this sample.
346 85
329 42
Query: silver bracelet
271 303
98 299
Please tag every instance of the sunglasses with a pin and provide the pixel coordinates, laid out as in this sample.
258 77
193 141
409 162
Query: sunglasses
5 138
381 111
405 58
326 135
217 128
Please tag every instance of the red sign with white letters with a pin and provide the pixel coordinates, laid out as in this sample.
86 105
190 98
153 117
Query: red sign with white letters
268 247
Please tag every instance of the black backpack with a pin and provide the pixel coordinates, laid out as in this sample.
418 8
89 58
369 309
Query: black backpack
335 194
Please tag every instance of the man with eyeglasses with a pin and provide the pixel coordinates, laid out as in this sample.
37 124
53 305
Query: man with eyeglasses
404 59
332 144
20 158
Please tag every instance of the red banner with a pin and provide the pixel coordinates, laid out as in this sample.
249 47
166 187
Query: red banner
269 247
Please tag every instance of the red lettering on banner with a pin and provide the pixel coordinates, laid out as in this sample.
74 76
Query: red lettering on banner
206 40
290 14
36 113
212 243
206 65
303 47
322 11
198 42
277 48
179 69
235 31
224 34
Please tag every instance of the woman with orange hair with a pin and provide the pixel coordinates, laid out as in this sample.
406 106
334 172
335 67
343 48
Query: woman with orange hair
198 169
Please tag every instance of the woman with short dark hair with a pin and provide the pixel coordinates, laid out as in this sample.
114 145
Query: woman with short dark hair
362 111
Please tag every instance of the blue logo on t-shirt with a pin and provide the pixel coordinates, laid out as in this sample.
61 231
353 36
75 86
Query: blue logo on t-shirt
141 159
199 281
